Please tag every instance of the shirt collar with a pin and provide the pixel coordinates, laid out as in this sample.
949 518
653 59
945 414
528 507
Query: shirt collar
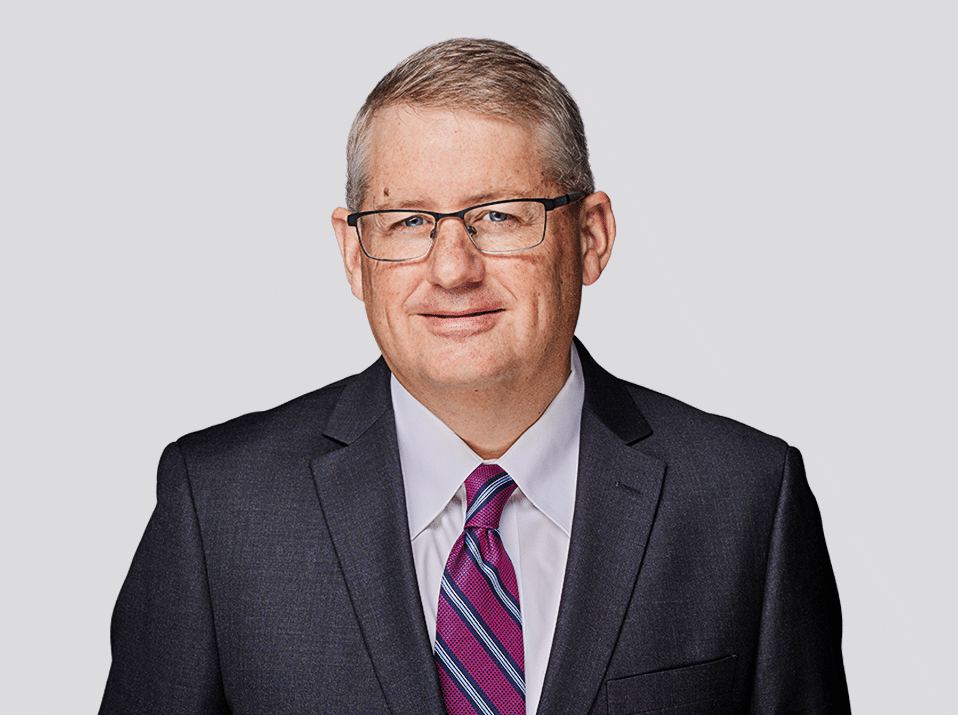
543 461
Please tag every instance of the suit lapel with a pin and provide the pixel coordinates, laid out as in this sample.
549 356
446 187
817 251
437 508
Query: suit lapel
616 498
361 493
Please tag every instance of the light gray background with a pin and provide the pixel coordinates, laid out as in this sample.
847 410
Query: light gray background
784 180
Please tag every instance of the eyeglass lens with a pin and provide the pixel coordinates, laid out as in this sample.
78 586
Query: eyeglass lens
496 228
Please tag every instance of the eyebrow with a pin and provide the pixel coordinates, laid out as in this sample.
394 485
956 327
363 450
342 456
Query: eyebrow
473 200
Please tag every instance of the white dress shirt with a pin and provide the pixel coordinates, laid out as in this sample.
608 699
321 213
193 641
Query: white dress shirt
536 521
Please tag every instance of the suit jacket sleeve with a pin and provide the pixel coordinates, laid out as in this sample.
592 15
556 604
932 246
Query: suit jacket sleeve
799 660
165 656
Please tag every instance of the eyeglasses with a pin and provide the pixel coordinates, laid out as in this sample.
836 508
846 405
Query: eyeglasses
495 227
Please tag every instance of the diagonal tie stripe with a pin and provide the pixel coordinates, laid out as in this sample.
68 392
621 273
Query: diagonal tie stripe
450 666
509 601
475 622
479 651
486 495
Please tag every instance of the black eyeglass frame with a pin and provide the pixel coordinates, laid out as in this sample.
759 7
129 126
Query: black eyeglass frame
549 204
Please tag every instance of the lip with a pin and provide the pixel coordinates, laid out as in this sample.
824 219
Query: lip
461 323
455 315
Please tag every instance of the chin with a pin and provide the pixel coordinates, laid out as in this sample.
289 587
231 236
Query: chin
466 379
465 370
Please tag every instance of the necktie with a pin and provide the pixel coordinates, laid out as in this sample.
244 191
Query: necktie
479 627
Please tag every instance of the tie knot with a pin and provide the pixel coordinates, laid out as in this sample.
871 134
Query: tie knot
487 490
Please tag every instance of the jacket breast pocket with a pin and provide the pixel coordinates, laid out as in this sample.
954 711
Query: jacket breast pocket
703 684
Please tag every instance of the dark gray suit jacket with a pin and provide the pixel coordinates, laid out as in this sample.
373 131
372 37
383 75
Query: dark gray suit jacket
276 573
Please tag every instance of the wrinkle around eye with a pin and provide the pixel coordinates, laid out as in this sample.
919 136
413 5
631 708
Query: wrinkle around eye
407 222
497 218
415 221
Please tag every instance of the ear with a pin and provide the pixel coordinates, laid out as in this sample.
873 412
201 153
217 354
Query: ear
597 232
349 246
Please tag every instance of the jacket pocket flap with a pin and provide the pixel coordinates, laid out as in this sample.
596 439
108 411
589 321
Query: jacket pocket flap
669 688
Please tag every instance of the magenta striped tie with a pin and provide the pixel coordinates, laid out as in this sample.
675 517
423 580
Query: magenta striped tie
479 625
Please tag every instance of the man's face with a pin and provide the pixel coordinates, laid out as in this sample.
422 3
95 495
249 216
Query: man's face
458 318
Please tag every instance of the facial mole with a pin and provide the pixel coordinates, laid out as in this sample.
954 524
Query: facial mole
386 191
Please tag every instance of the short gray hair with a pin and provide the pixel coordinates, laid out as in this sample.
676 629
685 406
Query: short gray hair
487 77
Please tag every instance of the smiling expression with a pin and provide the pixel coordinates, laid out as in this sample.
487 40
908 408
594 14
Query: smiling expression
458 317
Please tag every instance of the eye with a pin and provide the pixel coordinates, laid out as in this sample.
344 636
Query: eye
414 221
496 217
407 222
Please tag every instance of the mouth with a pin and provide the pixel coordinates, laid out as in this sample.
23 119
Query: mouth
462 314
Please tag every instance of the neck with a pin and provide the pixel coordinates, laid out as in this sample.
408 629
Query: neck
491 419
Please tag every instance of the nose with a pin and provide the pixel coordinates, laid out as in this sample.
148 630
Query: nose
454 260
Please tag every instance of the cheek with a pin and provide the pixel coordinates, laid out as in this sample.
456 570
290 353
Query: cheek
566 285
566 268
386 291
548 290
375 296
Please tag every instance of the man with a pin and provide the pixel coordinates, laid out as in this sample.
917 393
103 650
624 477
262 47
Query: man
484 521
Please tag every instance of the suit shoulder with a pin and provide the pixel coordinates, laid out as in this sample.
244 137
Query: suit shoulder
679 426
294 426
667 427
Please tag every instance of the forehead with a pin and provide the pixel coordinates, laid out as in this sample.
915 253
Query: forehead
450 156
